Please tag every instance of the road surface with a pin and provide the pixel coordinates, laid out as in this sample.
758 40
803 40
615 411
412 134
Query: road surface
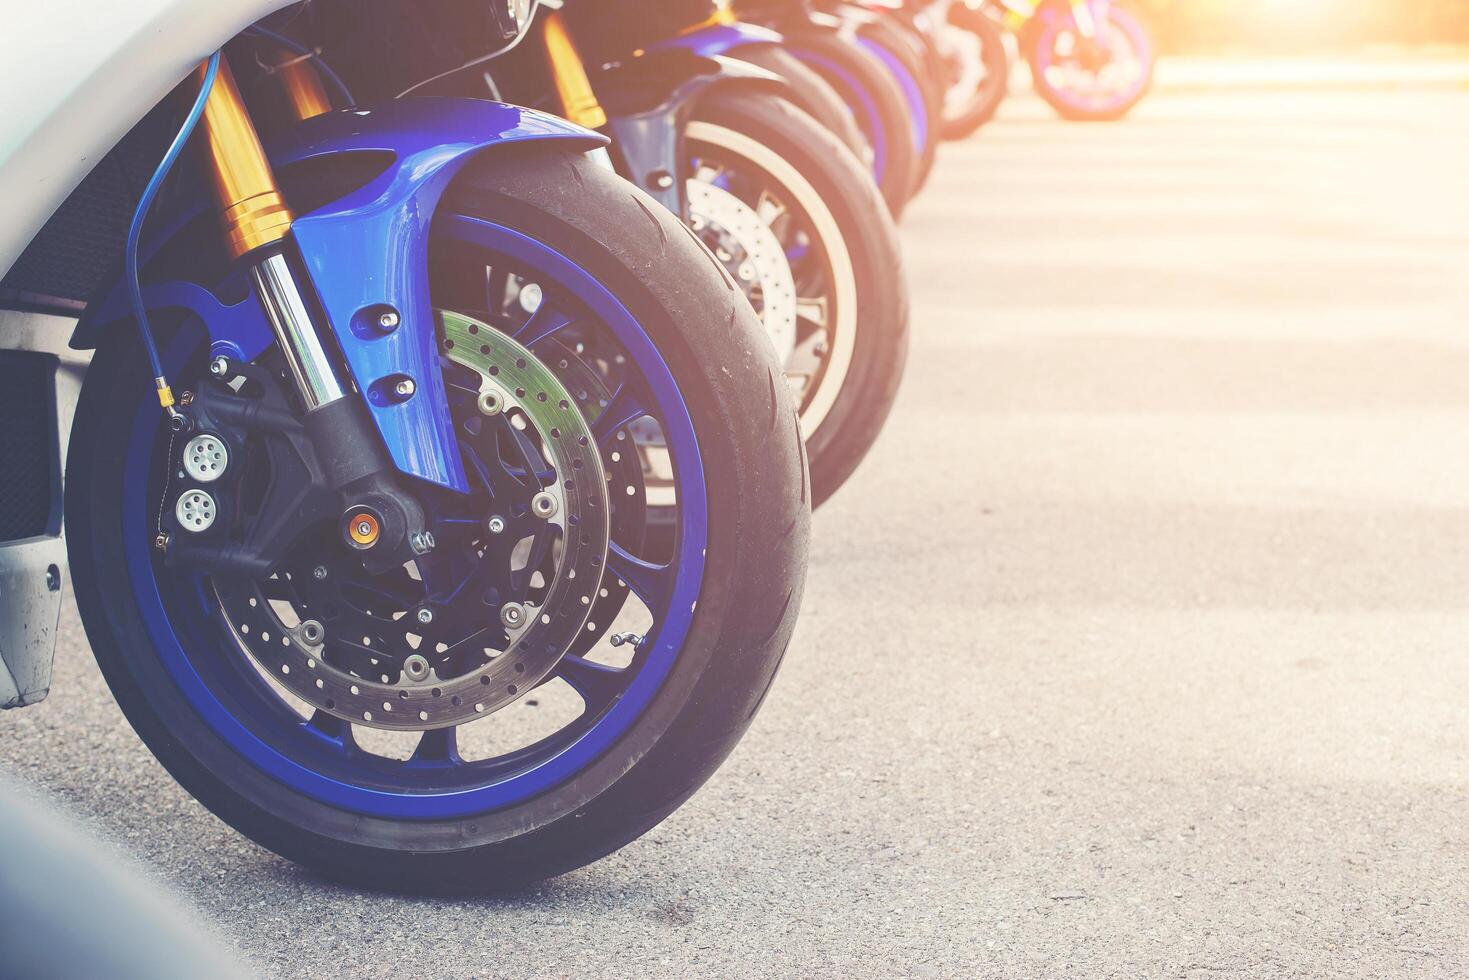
1138 648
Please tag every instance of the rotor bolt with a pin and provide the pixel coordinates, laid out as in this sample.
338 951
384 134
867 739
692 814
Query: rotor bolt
388 320
425 616
312 632
319 572
543 504
496 524
490 403
512 615
219 367
416 667
405 388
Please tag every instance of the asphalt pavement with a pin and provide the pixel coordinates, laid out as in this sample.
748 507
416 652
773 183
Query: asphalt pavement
1137 648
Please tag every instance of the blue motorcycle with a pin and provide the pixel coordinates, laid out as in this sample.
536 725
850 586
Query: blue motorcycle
355 516
782 205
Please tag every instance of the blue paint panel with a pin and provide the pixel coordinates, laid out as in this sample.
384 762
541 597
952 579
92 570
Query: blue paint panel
370 249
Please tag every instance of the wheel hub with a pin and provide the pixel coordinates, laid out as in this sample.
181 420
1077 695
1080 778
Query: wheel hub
505 594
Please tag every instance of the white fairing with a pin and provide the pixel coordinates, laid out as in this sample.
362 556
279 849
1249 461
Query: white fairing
76 75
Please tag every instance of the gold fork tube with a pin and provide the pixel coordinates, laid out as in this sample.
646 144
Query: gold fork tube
253 210
578 100
303 87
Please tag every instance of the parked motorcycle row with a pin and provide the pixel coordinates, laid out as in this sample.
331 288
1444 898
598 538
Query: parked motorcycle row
459 359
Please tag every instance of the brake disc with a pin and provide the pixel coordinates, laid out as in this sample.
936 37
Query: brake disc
752 253
626 493
362 649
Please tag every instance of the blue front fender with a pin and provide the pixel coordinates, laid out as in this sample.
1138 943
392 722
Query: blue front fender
365 253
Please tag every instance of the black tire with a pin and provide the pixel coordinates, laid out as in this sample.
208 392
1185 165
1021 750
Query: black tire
985 101
899 39
811 93
901 158
865 394
758 495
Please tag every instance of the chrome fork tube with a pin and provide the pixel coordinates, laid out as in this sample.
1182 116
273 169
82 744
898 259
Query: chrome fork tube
257 224
290 317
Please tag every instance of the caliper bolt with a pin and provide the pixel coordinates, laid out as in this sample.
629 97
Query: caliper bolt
512 615
319 572
388 320
219 367
496 524
425 616
422 542
405 388
161 542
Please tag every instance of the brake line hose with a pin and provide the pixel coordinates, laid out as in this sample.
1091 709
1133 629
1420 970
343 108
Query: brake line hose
135 232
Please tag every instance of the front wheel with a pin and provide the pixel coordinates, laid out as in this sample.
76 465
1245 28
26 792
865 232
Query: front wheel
973 46
1091 80
541 688
876 103
904 55
839 316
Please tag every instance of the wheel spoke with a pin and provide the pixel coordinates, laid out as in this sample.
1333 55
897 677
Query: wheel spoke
769 209
495 286
540 548
624 409
813 310
545 321
598 684
437 747
649 581
330 728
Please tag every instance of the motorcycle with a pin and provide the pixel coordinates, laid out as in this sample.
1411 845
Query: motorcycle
1091 60
898 38
829 44
974 62
784 208
352 513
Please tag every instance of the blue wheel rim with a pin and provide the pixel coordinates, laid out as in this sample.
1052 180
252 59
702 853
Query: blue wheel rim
912 91
273 739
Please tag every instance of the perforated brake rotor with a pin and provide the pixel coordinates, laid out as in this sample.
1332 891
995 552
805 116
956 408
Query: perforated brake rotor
753 255
472 657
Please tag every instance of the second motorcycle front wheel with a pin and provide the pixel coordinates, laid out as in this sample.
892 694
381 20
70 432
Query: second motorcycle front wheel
844 356
401 728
